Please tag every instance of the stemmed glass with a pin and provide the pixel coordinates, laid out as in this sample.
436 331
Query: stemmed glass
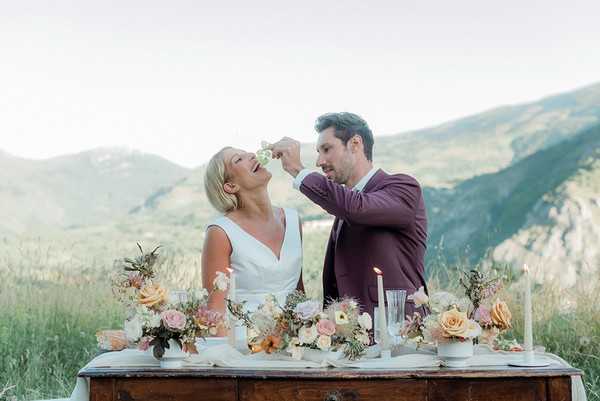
396 300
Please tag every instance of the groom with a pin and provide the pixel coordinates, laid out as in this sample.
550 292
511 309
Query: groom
380 218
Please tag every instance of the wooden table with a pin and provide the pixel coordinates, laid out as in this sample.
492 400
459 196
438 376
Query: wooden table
552 383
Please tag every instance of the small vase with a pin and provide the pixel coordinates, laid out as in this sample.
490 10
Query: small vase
173 357
455 353
317 355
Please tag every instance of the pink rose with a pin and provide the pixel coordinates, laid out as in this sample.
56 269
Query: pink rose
144 343
135 280
482 315
173 319
326 327
207 317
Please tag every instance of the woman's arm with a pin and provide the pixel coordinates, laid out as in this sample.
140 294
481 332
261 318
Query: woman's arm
216 254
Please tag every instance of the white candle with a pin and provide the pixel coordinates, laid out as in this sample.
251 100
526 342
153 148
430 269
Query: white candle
527 310
381 319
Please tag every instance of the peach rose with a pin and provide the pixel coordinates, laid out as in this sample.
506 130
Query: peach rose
454 323
152 294
501 315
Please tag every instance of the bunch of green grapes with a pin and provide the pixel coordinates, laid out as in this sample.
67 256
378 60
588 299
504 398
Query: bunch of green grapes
264 154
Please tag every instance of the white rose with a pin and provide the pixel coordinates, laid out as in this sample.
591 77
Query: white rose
324 342
440 301
133 329
473 329
419 297
200 293
297 352
365 321
154 320
221 282
307 335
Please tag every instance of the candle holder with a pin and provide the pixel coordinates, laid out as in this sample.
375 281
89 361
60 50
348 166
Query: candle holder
232 335
380 336
529 361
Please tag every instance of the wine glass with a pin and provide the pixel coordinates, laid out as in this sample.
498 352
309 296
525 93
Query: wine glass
396 300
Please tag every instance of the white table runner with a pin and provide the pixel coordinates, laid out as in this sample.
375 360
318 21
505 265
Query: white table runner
228 357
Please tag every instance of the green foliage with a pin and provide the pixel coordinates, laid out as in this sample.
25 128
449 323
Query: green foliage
47 333
50 312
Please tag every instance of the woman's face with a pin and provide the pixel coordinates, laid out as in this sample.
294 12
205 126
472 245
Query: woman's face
244 170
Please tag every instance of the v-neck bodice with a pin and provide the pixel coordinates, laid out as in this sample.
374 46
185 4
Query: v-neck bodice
258 270
260 243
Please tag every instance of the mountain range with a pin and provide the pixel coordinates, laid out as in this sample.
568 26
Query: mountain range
514 184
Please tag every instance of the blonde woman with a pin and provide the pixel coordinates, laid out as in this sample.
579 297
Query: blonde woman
260 242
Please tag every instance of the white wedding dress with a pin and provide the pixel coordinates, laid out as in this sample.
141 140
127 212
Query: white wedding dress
258 271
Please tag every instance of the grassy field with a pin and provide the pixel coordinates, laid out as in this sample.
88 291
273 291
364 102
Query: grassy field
52 305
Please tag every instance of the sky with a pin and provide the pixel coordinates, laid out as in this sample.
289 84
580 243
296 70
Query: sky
182 79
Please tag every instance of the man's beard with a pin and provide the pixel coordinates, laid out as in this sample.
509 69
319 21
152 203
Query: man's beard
342 175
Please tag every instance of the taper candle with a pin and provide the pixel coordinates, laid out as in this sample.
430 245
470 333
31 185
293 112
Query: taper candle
381 319
527 311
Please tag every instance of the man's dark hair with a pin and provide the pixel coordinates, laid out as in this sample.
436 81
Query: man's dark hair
346 126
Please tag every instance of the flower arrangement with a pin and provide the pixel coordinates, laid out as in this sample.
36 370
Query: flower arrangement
156 315
460 318
302 323
492 314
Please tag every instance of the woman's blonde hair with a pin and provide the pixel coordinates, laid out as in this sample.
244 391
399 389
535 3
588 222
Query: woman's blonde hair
215 178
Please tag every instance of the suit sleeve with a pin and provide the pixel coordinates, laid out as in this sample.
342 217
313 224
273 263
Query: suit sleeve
393 205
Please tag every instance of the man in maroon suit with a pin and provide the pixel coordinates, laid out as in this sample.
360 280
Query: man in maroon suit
380 219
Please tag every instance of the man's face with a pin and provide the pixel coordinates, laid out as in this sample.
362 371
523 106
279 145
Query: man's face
335 158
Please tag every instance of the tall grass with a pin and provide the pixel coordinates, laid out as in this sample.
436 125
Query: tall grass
51 308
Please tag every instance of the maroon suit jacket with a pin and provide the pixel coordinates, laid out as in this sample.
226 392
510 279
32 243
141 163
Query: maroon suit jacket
385 226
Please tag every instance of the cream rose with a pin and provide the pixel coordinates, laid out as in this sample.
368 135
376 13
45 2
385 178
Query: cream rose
473 329
364 320
152 294
501 315
454 323
324 342
419 297
307 335
133 329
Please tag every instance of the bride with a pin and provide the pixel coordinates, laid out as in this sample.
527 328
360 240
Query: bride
261 243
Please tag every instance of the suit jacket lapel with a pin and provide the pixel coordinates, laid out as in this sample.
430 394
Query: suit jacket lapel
339 223
377 177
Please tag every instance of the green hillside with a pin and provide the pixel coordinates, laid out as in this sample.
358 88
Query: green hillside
83 189
484 211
